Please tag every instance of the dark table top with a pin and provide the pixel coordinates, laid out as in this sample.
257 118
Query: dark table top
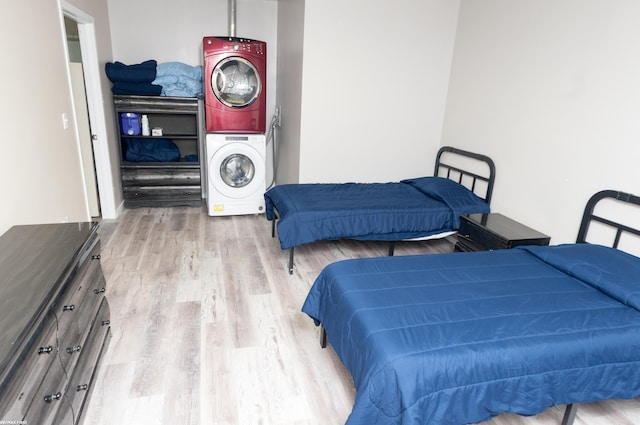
505 227
33 260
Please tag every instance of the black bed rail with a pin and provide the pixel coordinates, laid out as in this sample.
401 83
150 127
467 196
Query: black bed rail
588 215
488 179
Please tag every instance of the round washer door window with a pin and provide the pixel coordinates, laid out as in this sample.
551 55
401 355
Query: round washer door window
237 170
235 82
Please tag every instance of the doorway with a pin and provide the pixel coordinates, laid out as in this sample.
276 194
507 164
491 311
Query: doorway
82 116
88 108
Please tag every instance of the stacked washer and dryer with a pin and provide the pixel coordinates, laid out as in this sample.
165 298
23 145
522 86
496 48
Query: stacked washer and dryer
235 116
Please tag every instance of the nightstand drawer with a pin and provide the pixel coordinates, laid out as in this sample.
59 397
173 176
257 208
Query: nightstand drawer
481 236
480 232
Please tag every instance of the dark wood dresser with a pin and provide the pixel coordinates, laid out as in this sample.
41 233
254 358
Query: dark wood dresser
485 232
54 324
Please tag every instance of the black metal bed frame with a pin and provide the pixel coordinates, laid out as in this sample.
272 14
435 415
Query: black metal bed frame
441 169
451 171
587 217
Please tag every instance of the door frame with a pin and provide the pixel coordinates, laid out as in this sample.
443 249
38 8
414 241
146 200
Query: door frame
91 67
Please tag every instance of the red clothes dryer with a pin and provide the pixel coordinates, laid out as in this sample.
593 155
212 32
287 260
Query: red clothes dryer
235 85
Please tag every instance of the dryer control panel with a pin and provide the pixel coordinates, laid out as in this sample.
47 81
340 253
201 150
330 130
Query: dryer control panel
236 44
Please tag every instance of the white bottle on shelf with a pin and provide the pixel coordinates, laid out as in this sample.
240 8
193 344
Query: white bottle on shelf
145 126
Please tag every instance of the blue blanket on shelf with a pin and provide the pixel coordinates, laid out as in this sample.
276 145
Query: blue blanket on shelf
140 89
150 78
179 79
459 338
151 150
144 72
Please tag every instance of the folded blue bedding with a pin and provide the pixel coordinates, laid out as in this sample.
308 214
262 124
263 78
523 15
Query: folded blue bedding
180 79
460 338
179 69
150 78
144 72
151 150
408 209
140 89
179 85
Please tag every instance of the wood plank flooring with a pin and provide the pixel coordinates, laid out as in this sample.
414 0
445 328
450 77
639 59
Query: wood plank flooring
207 329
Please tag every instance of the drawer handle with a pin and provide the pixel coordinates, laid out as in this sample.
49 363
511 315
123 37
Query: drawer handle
45 350
105 323
98 291
95 257
82 387
73 349
68 307
49 398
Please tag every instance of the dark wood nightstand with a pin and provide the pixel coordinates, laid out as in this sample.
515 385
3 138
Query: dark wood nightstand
485 232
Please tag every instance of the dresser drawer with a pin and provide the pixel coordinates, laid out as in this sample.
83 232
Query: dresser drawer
29 370
75 316
49 397
81 383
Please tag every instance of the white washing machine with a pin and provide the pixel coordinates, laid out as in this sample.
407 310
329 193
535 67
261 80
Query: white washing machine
236 173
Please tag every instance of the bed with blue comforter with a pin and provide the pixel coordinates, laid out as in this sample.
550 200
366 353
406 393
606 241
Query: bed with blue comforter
459 338
409 209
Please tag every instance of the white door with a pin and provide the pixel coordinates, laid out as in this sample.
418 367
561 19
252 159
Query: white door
84 133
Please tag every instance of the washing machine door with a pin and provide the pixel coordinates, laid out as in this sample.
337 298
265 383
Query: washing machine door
235 82
237 170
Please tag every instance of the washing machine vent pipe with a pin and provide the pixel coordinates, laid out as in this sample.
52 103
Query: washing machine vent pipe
232 18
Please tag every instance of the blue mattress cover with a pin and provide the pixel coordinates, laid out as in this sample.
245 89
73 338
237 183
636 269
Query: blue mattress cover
393 211
459 338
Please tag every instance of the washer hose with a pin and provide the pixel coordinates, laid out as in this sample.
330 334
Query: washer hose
271 138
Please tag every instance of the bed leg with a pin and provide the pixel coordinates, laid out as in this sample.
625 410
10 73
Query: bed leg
569 414
291 261
273 228
392 247
323 337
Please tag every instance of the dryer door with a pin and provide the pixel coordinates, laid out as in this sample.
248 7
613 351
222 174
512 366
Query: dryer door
235 82
237 170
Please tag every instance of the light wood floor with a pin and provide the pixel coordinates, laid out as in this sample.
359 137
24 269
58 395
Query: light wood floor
207 327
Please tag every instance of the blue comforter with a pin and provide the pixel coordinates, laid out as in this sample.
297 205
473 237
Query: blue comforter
460 338
411 208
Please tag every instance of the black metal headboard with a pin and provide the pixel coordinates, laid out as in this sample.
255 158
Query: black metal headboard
461 176
588 217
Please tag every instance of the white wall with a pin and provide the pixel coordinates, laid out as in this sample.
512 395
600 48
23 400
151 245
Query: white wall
550 90
374 85
41 174
289 94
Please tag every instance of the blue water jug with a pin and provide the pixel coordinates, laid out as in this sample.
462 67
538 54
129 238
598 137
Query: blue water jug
130 123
